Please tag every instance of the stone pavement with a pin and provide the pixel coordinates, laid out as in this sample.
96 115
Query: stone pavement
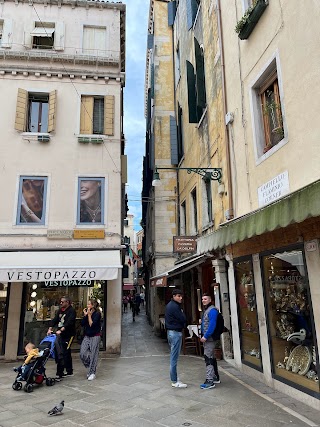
134 390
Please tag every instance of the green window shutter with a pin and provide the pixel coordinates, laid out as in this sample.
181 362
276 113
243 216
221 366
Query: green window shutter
200 76
173 141
192 9
152 81
172 8
192 100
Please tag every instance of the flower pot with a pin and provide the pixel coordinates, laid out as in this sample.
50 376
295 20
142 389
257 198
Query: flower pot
253 18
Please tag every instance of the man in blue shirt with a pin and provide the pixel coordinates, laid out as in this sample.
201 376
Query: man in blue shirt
208 326
175 321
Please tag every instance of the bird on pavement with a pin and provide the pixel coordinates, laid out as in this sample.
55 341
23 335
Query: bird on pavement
57 409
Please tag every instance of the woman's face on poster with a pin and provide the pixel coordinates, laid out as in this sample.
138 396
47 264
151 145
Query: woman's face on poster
88 188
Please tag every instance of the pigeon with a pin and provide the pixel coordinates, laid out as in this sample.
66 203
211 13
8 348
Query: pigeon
57 409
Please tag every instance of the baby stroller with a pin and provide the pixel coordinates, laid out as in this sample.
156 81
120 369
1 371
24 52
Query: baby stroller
37 372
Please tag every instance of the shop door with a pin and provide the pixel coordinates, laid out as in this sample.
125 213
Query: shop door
3 314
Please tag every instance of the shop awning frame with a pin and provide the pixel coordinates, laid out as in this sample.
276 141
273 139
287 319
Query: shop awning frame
293 208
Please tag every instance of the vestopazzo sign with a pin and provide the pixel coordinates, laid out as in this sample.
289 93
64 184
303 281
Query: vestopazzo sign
44 274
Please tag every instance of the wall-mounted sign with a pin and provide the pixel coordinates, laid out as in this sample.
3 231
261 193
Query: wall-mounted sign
182 244
159 282
59 234
274 189
312 246
65 283
88 234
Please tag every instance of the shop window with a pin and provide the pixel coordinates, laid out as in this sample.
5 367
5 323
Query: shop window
3 314
290 322
42 301
32 200
90 201
247 311
97 115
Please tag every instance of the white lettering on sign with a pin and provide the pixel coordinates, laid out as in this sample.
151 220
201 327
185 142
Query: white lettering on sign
68 283
274 189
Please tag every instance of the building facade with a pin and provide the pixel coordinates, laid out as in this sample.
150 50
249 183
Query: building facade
62 73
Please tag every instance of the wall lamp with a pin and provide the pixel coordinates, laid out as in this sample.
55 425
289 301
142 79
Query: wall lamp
208 174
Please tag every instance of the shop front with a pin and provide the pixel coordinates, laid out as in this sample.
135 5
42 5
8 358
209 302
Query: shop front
35 283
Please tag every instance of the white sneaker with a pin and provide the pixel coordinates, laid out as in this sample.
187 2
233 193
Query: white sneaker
91 377
179 384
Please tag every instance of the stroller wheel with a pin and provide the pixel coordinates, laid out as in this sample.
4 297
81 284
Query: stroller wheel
17 385
28 388
50 381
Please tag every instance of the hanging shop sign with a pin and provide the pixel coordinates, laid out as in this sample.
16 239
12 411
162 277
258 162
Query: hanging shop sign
88 234
274 189
66 283
183 244
159 282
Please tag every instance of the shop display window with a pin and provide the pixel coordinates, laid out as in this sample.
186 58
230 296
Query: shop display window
290 322
248 318
3 313
42 302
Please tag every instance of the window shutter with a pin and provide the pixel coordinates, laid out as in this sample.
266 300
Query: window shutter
150 41
192 9
52 110
59 36
200 76
172 8
29 27
86 115
173 141
21 111
152 81
109 115
7 33
151 152
192 101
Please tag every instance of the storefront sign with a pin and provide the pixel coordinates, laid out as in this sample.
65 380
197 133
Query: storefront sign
274 189
59 234
63 283
88 234
182 244
159 282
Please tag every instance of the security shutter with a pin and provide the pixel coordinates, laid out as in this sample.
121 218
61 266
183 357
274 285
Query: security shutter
200 76
172 8
192 9
192 100
52 110
21 111
173 141
6 40
109 115
86 115
59 36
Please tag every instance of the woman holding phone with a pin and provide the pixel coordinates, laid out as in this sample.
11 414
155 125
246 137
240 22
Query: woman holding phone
89 351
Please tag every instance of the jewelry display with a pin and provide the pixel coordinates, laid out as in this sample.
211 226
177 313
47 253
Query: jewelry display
299 360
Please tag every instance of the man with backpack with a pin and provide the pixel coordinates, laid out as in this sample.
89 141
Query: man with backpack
211 328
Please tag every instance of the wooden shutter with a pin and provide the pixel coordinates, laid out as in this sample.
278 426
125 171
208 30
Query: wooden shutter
86 115
109 115
29 27
173 141
59 36
172 8
52 110
200 76
21 111
192 100
6 40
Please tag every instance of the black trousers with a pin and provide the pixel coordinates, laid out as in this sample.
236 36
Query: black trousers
63 357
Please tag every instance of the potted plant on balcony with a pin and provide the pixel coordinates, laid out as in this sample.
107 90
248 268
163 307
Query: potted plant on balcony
249 20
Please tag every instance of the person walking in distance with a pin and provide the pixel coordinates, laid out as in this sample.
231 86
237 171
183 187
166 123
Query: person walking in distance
175 321
209 340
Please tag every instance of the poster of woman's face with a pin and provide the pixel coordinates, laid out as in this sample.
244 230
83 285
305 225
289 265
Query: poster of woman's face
32 195
90 200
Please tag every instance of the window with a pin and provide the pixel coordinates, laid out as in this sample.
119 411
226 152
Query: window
90 201
97 115
177 70
183 219
94 40
207 211
125 272
32 200
1 31
200 80
194 213
180 134
35 112
43 35
192 10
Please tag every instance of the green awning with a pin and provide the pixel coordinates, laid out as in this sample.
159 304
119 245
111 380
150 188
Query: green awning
294 208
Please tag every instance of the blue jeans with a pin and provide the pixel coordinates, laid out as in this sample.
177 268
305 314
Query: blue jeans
175 342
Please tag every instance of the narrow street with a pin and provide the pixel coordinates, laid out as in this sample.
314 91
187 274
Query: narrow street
134 390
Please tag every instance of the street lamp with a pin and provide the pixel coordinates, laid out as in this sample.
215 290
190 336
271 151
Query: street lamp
208 174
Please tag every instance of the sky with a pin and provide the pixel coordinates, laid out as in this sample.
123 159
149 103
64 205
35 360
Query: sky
134 120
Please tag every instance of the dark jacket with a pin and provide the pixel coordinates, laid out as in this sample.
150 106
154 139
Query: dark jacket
66 319
174 316
95 328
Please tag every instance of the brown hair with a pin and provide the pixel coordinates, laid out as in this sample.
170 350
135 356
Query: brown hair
94 303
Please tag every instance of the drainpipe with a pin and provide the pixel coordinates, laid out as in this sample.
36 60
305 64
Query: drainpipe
229 212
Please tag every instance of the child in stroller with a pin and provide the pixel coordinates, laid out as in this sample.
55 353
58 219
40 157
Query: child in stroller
33 371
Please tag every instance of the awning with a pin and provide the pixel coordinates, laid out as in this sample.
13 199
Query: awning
161 279
128 287
59 265
42 32
294 208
